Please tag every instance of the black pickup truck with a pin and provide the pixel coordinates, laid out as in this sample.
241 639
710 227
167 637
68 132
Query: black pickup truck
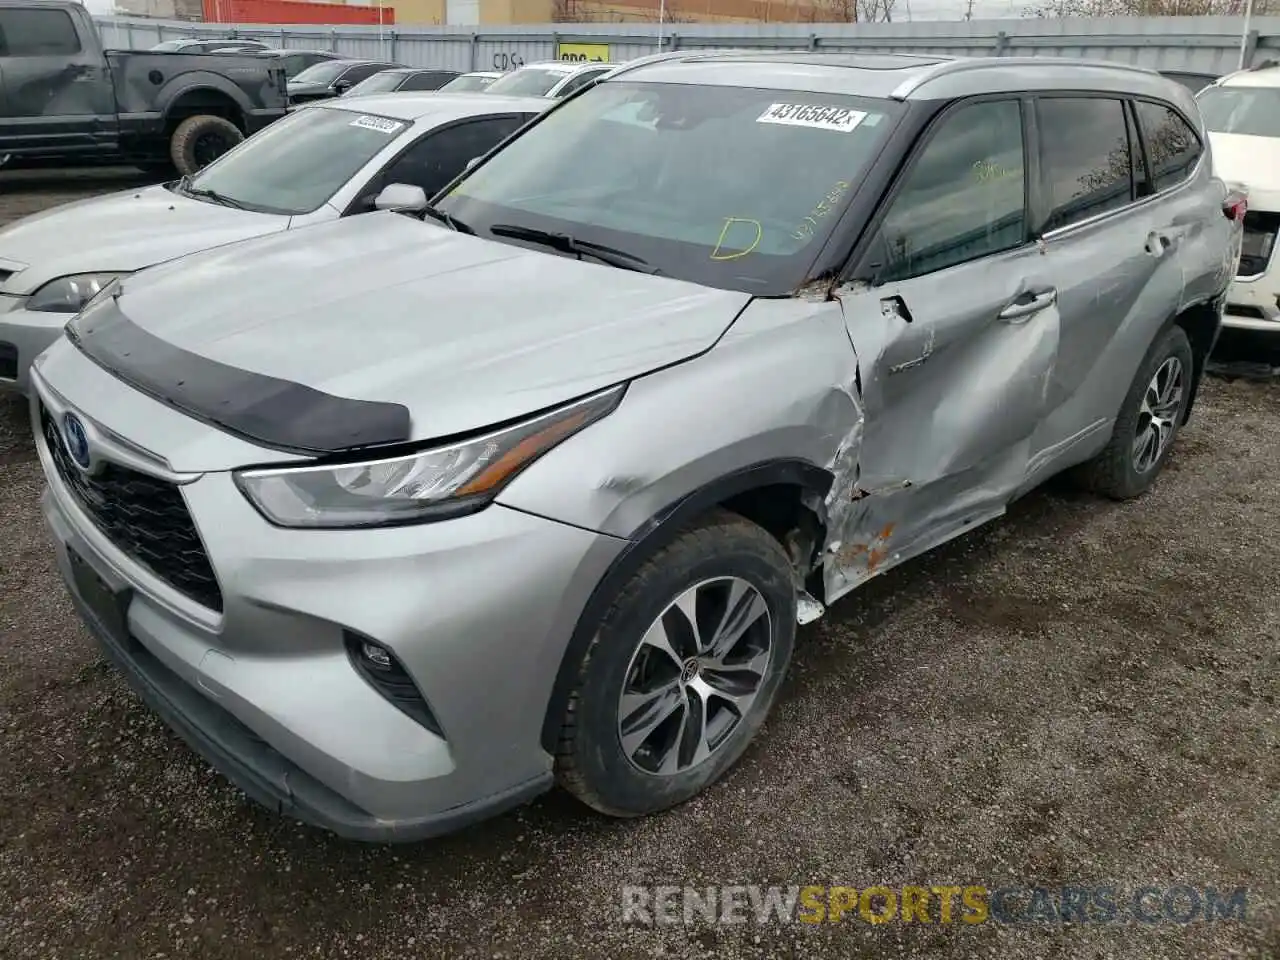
63 97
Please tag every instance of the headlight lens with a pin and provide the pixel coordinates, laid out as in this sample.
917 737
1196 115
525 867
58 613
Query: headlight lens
70 294
430 485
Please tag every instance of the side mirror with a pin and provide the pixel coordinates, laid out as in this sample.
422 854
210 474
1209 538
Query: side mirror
402 197
342 86
472 162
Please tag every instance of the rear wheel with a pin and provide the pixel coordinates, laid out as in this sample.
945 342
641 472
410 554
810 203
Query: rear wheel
200 140
682 672
1148 422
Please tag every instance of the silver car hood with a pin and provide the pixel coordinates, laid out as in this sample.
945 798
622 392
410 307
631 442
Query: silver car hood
123 231
459 332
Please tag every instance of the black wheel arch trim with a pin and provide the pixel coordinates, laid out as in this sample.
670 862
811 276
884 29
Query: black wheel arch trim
650 537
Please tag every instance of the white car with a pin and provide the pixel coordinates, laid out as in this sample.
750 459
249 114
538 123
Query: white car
1242 115
329 161
553 79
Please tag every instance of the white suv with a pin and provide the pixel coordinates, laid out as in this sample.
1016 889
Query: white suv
1242 115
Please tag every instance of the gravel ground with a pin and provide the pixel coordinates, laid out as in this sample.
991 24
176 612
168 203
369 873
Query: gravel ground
1080 693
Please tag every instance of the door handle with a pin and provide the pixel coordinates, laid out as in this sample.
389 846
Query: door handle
1027 304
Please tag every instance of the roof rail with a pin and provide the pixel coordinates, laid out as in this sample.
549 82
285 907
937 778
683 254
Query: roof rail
755 54
965 64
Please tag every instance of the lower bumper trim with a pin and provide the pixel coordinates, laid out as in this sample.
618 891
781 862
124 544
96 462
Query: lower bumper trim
266 776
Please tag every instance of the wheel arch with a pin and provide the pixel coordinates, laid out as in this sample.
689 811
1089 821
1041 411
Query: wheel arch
784 496
1201 322
208 95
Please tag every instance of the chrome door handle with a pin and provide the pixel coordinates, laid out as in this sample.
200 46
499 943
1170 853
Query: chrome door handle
1028 304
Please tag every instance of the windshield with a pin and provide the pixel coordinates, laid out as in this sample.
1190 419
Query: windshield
383 82
465 83
299 162
326 72
725 186
527 82
1249 111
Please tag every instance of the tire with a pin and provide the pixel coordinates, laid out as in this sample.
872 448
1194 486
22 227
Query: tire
200 140
1117 471
721 554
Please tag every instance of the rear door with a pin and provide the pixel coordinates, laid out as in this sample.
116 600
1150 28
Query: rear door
955 325
1114 247
58 94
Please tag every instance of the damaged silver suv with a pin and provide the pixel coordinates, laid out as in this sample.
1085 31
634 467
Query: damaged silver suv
402 518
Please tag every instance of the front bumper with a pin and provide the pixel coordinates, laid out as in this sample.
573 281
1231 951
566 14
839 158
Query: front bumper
1252 304
24 335
478 610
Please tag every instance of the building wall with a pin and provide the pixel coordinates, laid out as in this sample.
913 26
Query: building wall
420 11
647 11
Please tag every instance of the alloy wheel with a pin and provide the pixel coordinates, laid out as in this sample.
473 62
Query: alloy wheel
1157 417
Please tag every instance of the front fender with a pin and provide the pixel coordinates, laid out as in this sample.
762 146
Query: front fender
779 387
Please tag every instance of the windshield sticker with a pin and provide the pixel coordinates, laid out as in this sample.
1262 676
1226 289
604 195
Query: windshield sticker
748 229
809 115
381 124
821 209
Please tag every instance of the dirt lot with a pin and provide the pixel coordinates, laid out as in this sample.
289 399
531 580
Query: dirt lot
1082 693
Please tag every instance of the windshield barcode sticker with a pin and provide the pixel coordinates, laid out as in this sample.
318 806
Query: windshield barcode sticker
381 124
811 115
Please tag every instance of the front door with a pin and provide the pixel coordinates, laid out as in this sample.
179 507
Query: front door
956 336
58 95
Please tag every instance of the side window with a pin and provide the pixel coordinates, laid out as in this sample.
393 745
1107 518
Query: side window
581 80
362 72
423 81
28 32
439 157
1085 157
1173 149
963 196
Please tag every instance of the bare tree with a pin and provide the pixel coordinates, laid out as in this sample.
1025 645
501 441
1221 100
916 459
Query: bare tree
1145 8
570 11
852 11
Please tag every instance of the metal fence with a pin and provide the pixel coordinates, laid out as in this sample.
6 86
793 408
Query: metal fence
1197 44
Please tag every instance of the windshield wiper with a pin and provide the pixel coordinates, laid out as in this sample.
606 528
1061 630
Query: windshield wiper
570 244
450 221
205 193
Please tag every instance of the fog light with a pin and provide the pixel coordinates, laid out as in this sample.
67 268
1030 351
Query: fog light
376 655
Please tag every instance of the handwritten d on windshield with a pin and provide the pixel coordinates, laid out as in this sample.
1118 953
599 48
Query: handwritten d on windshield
745 227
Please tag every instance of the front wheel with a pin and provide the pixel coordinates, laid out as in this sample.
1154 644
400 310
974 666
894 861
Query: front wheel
682 672
200 140
1148 422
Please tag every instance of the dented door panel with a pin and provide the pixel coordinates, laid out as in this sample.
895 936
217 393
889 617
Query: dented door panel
952 395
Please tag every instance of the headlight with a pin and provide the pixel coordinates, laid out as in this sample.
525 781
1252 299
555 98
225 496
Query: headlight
430 485
70 294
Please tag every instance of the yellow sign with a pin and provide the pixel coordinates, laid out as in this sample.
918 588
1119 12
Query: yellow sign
583 52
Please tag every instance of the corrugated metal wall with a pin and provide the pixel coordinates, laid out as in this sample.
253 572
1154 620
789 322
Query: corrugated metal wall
1200 44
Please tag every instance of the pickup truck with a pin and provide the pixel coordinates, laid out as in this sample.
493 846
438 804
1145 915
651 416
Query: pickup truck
63 97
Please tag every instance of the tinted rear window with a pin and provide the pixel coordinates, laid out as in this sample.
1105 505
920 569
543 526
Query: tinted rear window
1248 111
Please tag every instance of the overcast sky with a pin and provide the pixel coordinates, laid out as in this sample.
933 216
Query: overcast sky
903 10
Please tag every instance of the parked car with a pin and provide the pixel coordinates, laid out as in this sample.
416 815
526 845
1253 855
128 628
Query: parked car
332 78
1194 82
334 160
399 521
1242 114
210 45
295 61
403 78
553 79
62 97
472 82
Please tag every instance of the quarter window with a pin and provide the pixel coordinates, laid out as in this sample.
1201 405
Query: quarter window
1172 146
963 198
1085 157
26 32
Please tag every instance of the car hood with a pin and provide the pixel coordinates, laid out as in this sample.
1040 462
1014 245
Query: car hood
1253 162
462 332
120 232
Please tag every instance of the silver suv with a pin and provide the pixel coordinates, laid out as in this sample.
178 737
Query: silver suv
400 519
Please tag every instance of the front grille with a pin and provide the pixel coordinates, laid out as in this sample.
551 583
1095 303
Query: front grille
8 361
144 516
1260 230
